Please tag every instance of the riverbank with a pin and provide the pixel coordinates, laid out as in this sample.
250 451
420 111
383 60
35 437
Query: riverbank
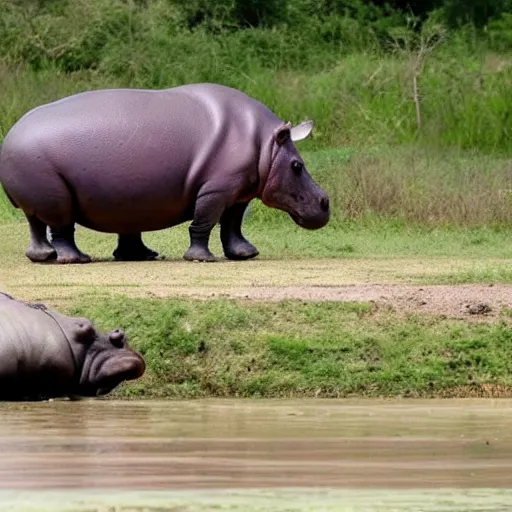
387 324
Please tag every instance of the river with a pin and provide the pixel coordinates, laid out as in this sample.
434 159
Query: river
439 455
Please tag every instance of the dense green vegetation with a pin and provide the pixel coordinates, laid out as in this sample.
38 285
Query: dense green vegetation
367 74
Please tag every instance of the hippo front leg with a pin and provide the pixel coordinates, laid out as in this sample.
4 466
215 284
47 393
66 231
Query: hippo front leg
235 246
132 248
207 213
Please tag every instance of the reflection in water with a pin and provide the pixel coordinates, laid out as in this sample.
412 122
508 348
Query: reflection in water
256 444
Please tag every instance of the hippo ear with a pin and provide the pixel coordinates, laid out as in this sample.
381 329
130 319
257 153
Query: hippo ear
302 131
84 331
282 134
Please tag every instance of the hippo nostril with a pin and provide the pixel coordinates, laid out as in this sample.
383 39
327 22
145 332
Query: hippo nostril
324 204
117 337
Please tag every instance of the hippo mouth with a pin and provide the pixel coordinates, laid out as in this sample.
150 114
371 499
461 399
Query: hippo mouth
128 369
312 223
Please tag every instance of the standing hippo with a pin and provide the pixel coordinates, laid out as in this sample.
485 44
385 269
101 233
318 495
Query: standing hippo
127 161
44 354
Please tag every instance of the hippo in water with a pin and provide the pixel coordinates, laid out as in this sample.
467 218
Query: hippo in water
128 161
44 354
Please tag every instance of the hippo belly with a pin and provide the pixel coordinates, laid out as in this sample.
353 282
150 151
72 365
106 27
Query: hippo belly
145 206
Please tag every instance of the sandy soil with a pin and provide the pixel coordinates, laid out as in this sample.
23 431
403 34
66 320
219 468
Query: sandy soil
388 282
456 301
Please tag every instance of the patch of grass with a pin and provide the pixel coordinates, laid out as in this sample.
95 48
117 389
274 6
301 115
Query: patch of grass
227 348
483 274
282 240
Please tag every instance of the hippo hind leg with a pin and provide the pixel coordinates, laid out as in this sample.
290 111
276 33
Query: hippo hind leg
132 248
63 239
235 246
47 201
40 249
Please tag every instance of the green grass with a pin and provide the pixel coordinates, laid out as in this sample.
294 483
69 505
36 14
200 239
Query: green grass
284 241
244 349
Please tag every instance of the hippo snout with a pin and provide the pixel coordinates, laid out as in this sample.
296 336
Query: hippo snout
313 215
122 366
134 367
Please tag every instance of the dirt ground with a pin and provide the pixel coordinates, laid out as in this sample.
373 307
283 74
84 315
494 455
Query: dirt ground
450 300
388 282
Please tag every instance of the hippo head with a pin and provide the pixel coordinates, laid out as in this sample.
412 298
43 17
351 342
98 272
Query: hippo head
108 361
289 186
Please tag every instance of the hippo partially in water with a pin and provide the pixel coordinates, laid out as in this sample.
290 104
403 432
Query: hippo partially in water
44 354
128 161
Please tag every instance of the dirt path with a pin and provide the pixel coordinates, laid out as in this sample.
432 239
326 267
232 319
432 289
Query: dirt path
391 282
458 301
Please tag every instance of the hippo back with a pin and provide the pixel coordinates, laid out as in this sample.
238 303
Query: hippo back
34 352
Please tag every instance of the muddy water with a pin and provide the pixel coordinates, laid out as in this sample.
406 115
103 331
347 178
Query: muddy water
237 444
370 456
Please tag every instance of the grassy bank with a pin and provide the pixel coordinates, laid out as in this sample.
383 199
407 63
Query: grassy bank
292 348
218 347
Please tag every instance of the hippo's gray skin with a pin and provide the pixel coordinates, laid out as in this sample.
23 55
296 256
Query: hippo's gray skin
44 354
127 161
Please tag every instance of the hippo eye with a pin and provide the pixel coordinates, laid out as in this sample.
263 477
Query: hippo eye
297 167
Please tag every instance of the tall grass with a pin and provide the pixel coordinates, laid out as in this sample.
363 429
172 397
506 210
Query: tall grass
335 70
362 100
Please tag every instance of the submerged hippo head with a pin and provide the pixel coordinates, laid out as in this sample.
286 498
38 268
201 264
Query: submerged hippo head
289 186
107 359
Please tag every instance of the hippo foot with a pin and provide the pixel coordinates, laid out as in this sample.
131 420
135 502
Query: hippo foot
142 254
70 257
197 253
40 253
242 250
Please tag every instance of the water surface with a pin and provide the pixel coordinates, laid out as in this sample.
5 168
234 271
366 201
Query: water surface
204 449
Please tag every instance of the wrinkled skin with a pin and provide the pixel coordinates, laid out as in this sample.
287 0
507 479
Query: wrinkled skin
44 354
128 161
